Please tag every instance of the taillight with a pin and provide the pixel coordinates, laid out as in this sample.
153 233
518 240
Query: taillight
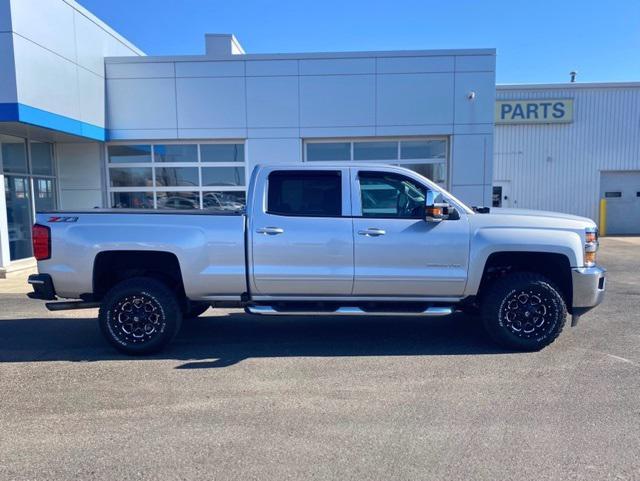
41 236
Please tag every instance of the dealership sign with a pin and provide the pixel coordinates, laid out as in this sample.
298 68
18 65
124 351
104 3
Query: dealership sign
534 111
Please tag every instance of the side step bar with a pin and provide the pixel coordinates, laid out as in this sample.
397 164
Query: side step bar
68 306
348 311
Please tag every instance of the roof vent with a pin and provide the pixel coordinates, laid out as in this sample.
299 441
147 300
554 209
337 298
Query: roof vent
222 45
573 74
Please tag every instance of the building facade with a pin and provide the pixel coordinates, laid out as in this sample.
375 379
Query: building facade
200 124
589 151
86 120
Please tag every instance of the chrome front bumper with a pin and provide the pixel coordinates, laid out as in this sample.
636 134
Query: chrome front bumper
589 284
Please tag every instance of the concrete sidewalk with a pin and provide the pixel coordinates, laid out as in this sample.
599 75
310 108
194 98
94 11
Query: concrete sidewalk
616 240
16 283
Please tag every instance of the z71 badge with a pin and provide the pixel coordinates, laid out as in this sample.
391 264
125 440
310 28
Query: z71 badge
57 218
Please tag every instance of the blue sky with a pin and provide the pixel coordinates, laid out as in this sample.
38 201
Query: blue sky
536 41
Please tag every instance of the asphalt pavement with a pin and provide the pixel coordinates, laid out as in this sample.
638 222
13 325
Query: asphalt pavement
242 398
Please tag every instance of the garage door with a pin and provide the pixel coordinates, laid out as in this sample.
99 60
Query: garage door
622 191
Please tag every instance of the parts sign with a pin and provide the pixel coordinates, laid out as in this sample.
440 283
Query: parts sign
534 111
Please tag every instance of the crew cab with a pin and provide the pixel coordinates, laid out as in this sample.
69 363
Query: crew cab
324 240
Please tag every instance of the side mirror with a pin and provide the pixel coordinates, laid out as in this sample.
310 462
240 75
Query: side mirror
435 211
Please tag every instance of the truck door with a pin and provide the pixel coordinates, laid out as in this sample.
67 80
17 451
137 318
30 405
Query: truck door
398 253
301 233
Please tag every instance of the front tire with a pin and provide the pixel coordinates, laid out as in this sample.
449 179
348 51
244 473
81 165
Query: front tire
523 311
140 316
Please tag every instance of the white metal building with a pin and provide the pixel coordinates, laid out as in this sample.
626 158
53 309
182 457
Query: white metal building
569 163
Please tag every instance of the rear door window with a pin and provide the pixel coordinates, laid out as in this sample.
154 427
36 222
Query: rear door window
305 193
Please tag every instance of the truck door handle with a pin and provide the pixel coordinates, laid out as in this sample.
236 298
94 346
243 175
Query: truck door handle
270 230
372 232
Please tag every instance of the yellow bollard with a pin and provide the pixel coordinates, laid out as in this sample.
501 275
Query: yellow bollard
603 217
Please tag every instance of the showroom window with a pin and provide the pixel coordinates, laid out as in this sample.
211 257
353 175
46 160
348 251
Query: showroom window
29 187
170 175
424 155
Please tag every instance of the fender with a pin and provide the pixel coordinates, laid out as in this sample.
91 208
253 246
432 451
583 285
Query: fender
490 240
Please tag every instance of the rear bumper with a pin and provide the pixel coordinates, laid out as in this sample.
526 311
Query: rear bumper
589 284
42 287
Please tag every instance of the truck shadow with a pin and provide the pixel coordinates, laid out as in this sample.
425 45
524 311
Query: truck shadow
223 340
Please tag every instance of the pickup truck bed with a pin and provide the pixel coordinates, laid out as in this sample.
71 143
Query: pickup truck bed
209 246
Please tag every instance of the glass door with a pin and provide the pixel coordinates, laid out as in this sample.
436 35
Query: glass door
29 186
19 217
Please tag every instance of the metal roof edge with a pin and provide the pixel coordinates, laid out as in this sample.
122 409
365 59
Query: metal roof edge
304 56
107 28
574 85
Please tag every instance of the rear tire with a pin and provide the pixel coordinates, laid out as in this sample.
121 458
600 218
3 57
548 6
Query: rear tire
140 316
523 311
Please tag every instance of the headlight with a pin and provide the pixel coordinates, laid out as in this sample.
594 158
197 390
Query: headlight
590 246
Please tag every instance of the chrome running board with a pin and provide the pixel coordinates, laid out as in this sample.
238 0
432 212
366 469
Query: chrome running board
348 311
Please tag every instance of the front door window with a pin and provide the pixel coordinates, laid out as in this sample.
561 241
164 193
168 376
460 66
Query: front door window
389 195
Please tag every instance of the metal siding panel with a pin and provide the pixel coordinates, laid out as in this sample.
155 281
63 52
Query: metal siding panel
604 135
46 23
337 100
5 16
8 91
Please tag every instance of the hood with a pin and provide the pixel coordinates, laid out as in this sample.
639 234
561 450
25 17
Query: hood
538 219
540 213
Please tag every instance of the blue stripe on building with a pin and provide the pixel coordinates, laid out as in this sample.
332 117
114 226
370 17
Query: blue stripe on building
17 112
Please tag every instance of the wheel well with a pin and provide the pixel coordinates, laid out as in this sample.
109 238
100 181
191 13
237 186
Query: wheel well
112 267
555 267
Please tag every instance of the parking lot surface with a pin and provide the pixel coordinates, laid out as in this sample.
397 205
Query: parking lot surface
239 397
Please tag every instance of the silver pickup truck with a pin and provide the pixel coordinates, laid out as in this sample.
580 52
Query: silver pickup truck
322 239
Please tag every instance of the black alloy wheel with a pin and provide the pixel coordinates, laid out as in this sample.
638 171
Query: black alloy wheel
523 311
140 316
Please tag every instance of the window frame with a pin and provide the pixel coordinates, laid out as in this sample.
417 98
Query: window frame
52 151
29 173
398 161
613 194
154 189
26 144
